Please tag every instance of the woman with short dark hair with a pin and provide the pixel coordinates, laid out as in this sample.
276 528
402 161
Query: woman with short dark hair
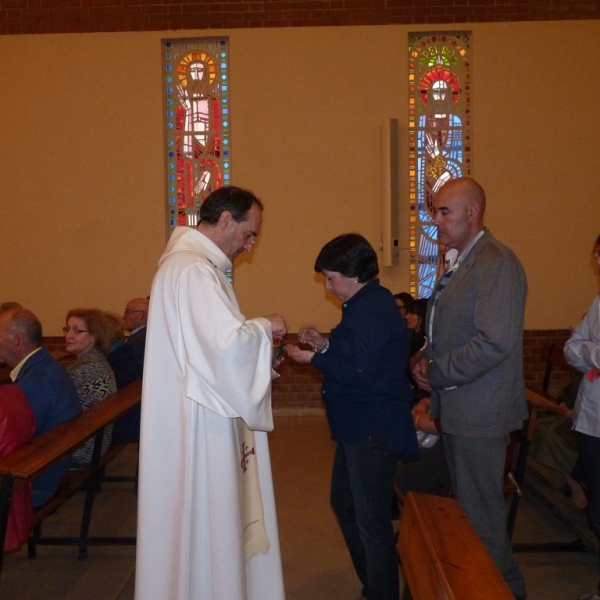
415 320
368 401
405 303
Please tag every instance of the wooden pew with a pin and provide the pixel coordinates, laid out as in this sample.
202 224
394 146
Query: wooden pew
555 360
537 400
28 461
62 355
541 401
442 556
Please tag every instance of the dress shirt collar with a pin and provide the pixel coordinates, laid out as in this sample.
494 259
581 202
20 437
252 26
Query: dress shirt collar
15 372
463 255
133 331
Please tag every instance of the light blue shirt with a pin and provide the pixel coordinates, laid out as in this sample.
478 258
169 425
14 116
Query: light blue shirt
582 350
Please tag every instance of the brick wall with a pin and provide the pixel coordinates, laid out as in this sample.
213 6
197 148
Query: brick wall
82 16
52 343
534 366
298 390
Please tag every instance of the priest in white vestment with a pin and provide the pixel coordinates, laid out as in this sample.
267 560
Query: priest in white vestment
207 526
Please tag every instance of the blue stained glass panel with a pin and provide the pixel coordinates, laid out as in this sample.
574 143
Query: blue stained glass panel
439 98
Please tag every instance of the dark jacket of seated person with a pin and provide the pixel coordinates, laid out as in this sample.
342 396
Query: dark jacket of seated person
53 400
17 426
127 363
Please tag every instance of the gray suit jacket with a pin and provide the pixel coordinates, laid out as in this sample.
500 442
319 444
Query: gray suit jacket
476 344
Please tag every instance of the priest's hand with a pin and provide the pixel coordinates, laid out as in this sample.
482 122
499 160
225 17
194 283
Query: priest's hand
278 326
299 355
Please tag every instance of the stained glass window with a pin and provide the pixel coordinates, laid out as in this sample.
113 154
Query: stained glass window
439 81
197 121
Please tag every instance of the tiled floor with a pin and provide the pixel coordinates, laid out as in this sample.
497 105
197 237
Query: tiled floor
316 564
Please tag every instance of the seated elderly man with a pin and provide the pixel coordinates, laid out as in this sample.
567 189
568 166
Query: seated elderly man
127 363
47 386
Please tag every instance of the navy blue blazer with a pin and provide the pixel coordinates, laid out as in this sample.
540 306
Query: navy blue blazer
366 390
127 361
53 399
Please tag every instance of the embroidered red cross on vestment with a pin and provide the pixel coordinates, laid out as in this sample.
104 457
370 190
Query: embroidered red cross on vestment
245 456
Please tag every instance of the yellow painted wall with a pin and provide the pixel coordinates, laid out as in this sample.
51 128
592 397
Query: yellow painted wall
81 160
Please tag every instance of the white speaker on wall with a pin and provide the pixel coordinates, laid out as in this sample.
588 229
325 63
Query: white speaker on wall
391 193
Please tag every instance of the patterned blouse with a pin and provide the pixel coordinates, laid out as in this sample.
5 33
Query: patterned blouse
94 380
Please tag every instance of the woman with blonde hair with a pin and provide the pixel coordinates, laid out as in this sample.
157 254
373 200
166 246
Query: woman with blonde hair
115 330
86 336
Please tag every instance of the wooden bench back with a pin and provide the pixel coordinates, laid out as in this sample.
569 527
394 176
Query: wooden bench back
540 400
555 359
29 460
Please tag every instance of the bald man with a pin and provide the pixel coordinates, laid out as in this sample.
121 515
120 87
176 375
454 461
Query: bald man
127 362
474 363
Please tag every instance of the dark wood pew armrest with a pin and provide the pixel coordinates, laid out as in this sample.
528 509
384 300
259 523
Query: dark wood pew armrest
29 460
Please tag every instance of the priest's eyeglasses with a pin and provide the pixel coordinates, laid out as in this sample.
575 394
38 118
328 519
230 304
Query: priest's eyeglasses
74 330
249 236
129 311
